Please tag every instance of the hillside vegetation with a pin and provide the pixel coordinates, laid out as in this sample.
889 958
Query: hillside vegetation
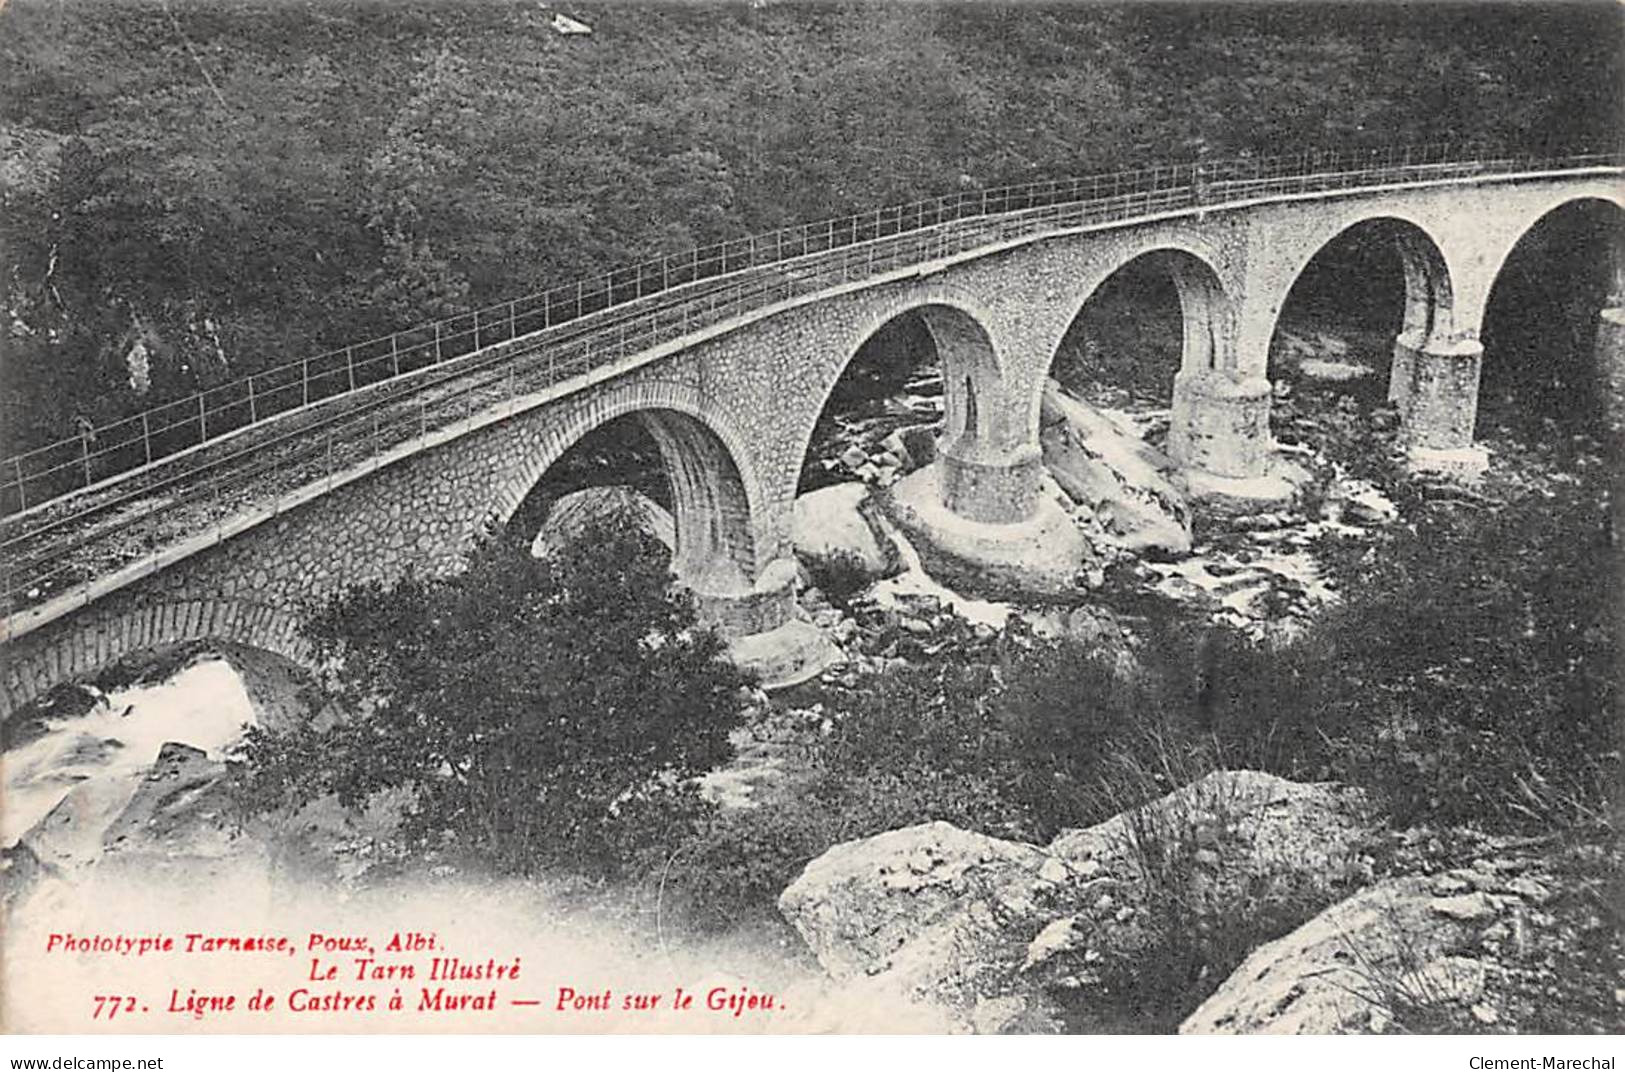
234 185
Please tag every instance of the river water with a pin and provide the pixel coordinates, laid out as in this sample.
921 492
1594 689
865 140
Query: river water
205 705
914 581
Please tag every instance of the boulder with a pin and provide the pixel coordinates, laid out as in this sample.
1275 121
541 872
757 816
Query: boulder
833 520
985 927
1092 625
919 443
20 872
1363 505
181 808
894 446
1255 822
1232 841
571 514
1095 626
1128 485
792 653
69 837
936 911
1400 955
176 808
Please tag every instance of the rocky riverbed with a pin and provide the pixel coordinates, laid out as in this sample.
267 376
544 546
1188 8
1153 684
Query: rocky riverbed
1359 928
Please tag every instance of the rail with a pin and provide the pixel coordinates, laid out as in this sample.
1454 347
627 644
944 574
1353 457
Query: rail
67 509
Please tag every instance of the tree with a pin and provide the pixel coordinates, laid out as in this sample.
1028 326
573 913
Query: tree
540 713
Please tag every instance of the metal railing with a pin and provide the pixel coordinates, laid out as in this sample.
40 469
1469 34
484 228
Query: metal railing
68 510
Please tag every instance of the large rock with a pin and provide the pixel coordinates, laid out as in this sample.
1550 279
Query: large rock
834 520
1254 824
791 654
181 808
935 913
1129 485
1403 954
861 902
176 808
985 927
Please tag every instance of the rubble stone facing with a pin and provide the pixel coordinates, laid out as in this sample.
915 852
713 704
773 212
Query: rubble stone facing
751 392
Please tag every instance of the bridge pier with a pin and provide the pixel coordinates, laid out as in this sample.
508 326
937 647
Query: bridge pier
1221 423
760 609
990 484
765 633
1435 385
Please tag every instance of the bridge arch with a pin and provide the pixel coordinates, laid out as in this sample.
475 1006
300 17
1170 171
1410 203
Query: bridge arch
1612 204
1205 340
1493 265
973 366
984 469
1429 288
716 495
1384 273
91 647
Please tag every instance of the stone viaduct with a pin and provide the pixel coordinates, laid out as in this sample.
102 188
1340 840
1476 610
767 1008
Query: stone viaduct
732 408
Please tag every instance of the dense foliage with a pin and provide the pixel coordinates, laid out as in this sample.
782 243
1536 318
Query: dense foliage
233 185
536 712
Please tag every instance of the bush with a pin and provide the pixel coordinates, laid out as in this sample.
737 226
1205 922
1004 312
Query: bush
992 746
1468 678
1477 664
538 713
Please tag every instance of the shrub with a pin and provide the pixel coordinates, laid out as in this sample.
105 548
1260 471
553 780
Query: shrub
536 712
1477 664
1198 909
840 575
1011 748
1469 676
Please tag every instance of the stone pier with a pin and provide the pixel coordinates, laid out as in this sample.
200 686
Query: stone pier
1221 424
1435 386
990 484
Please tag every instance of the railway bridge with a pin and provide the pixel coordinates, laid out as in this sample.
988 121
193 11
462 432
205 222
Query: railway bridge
222 515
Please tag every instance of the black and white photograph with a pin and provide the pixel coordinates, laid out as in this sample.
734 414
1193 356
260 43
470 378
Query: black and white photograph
844 518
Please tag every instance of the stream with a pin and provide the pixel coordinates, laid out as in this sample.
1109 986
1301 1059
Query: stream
206 705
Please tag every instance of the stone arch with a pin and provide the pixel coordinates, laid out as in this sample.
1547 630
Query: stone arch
716 496
1496 263
1428 338
1429 285
985 468
95 644
1206 310
973 366
1205 304
1545 359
